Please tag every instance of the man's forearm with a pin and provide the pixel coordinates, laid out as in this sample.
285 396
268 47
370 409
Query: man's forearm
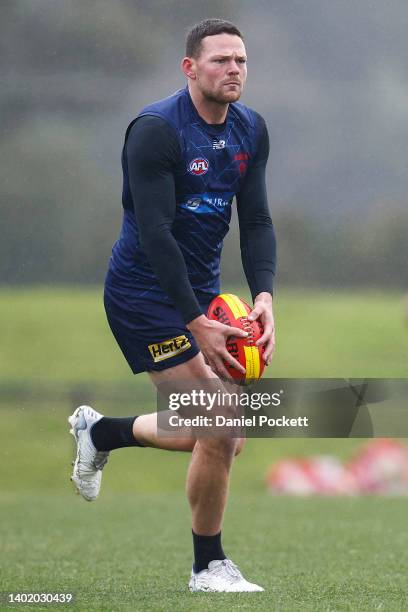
258 253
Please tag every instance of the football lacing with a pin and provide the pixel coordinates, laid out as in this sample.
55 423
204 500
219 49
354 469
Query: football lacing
248 327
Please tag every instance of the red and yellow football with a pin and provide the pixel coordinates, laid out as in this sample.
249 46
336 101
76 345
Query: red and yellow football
231 310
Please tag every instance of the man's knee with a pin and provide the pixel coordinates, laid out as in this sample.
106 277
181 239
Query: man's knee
222 449
225 447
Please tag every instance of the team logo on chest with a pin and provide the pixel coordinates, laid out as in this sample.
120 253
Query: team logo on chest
198 166
242 158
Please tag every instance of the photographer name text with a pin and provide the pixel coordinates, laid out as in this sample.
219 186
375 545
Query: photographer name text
256 420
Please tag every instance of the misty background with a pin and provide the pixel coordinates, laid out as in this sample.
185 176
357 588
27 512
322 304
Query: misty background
330 79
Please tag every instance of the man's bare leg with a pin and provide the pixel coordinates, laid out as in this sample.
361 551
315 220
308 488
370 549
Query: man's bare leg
208 474
208 483
212 457
145 431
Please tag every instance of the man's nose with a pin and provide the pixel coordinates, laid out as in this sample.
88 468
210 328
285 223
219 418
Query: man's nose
233 67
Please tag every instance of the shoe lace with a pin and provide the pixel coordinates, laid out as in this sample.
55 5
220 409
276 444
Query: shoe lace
227 566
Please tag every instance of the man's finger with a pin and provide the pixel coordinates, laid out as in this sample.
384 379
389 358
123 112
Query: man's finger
230 359
269 350
254 314
265 336
236 331
220 369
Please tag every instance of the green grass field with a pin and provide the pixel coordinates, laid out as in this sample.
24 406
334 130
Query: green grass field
131 550
62 335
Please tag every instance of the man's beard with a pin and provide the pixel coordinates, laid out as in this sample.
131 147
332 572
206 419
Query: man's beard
221 98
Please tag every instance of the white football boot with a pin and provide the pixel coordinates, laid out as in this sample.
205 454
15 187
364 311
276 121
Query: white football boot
89 462
221 577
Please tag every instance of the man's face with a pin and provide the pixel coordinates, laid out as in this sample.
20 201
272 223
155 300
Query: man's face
221 69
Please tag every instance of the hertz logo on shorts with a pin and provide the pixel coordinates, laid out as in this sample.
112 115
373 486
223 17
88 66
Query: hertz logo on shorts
169 348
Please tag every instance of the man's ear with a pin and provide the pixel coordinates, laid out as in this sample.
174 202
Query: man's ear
188 67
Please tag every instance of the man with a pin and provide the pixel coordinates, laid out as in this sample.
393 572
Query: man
184 160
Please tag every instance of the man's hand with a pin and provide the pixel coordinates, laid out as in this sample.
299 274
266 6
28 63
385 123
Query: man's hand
211 337
263 311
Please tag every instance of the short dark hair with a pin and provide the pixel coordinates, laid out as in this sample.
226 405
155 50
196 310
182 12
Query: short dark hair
208 27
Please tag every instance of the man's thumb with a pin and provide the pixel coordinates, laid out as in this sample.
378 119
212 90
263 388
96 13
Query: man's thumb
253 315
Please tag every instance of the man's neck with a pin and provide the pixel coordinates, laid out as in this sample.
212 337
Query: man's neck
211 112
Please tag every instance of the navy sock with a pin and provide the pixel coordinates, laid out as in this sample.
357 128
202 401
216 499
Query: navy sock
109 433
206 549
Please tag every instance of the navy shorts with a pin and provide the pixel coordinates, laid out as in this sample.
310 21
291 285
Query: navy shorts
151 336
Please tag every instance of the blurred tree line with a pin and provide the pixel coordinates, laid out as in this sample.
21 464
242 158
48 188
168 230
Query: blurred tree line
64 68
352 252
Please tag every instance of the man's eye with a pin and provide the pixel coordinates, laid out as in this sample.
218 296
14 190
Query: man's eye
220 61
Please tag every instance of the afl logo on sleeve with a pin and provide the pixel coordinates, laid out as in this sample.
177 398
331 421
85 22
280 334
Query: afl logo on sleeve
198 166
